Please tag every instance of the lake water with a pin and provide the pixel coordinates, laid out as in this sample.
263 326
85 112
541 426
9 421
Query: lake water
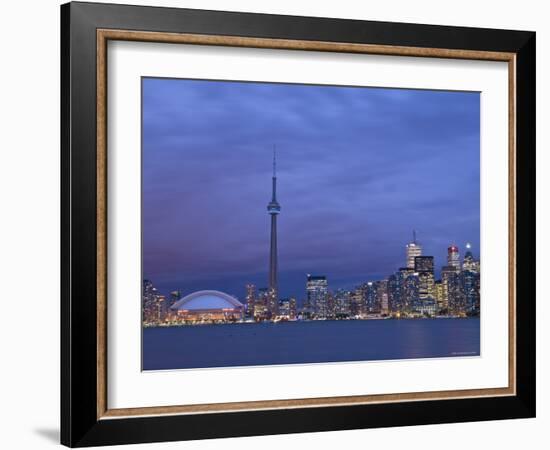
252 344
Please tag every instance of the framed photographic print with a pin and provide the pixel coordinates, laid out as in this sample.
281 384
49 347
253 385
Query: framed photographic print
277 224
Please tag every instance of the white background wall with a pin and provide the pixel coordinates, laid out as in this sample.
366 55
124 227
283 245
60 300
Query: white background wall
29 228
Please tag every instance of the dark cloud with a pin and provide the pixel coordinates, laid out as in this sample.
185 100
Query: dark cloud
358 169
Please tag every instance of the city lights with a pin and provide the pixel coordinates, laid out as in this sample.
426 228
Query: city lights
412 291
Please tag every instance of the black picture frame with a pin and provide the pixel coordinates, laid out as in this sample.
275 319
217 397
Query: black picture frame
80 425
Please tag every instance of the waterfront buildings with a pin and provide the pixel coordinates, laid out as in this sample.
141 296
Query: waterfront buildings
317 295
208 306
424 267
153 303
292 309
411 291
250 299
357 302
261 304
448 279
284 307
287 308
148 298
439 294
411 286
342 299
369 296
469 283
394 293
382 296
418 292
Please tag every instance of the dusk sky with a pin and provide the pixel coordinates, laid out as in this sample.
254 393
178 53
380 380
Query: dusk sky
358 169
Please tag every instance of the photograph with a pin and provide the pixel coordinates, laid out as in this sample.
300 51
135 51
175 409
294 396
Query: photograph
298 224
288 222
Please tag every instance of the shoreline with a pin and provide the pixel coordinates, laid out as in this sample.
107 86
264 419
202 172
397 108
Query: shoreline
275 322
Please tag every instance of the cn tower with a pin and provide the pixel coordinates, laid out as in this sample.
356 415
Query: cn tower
273 208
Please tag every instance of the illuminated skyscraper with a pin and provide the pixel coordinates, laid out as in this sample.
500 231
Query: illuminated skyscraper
357 304
410 292
395 293
469 284
451 279
453 257
331 306
342 303
292 309
148 300
373 297
439 292
153 304
161 309
382 296
250 299
448 280
414 249
284 307
260 305
403 290
424 266
470 263
317 294
273 209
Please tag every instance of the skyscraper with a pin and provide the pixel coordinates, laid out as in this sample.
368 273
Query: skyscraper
424 266
153 304
292 308
342 302
414 249
260 305
357 305
453 257
448 280
470 263
372 297
284 307
470 281
273 209
440 296
148 300
395 292
317 291
250 299
469 284
382 295
410 293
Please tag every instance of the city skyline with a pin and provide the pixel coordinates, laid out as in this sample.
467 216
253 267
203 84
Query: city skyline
457 262
344 214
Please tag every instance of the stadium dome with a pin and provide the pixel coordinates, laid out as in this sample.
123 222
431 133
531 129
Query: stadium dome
208 305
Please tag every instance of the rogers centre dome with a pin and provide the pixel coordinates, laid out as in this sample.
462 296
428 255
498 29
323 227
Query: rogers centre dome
208 306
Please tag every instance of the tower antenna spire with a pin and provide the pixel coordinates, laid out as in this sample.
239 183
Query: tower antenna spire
274 161
414 236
